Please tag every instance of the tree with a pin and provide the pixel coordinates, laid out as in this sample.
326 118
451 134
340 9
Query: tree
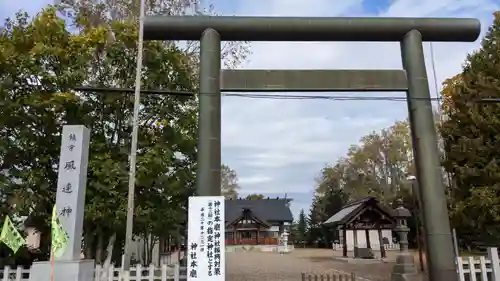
229 182
470 136
329 198
300 228
42 62
377 167
94 13
255 196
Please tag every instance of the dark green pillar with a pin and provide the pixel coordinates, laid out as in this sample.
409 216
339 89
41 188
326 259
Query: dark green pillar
209 118
440 254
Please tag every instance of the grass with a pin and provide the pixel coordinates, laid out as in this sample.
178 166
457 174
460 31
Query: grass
472 253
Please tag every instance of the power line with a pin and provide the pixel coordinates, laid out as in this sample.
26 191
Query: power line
257 96
129 91
324 97
434 74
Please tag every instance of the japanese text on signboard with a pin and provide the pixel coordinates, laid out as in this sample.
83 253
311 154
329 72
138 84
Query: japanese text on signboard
69 166
206 238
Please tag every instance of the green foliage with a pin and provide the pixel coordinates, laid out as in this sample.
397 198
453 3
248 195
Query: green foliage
255 196
471 136
377 167
323 207
87 14
41 63
300 228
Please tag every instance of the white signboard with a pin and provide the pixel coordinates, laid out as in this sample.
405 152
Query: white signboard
70 198
206 247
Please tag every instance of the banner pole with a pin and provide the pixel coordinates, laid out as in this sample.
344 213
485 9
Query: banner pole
52 258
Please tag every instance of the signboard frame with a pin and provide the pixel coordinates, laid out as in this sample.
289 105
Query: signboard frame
206 239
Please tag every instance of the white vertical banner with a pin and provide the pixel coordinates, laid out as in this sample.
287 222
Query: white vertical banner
71 182
206 239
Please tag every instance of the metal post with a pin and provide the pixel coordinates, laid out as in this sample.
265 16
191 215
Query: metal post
209 118
439 246
417 217
127 252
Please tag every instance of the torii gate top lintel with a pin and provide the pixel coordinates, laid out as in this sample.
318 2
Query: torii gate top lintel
311 29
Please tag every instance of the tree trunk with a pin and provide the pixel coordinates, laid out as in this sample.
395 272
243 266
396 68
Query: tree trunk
99 248
144 248
88 243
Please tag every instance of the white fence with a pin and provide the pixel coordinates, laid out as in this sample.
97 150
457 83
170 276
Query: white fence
468 268
137 273
479 268
18 274
140 273
375 247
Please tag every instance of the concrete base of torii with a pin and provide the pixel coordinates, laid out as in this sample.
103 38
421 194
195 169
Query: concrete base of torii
81 270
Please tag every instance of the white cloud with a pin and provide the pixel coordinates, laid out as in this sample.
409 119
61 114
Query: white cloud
270 135
273 187
9 7
256 179
284 135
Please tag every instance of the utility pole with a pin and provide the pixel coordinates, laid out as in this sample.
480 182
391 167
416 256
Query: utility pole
416 214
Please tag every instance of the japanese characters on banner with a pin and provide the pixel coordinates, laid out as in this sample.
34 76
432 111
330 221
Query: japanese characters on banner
72 178
206 249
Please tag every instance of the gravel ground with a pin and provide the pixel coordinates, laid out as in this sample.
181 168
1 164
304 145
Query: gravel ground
259 266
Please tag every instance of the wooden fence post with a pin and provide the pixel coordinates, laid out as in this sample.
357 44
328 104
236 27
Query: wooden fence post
495 263
177 272
19 273
164 273
111 272
460 268
124 274
6 273
97 272
483 268
151 273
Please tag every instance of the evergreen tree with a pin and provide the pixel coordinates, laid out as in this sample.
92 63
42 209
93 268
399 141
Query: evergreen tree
324 206
314 222
301 230
471 136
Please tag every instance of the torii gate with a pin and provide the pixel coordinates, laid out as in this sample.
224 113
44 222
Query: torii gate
410 32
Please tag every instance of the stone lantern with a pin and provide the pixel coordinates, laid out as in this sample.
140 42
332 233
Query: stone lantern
405 268
284 241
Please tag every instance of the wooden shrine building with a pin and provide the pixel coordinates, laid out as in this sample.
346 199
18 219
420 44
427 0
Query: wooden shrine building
366 216
257 221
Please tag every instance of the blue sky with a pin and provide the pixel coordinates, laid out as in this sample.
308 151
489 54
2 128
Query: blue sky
278 147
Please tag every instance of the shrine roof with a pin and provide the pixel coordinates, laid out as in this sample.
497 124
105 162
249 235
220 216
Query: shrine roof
265 209
353 209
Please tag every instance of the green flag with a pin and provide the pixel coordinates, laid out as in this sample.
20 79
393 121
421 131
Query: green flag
10 236
59 236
